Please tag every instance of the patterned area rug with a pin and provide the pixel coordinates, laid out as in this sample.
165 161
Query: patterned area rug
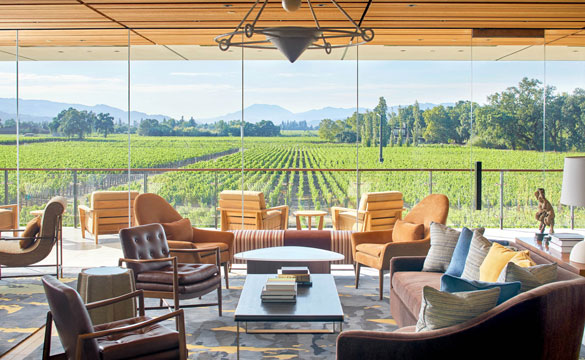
210 336
213 337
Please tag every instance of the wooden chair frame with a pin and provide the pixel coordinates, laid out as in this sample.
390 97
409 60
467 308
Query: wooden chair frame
174 295
177 314
364 217
15 212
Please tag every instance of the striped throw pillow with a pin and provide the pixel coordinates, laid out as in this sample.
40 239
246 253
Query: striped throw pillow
530 277
442 309
478 250
443 241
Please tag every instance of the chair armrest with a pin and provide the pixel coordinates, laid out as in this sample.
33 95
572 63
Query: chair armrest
370 237
280 207
84 208
200 235
133 294
406 249
11 206
179 315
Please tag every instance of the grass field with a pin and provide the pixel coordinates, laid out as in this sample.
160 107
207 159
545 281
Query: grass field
194 193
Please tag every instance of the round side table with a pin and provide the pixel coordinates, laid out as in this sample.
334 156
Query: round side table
310 214
106 282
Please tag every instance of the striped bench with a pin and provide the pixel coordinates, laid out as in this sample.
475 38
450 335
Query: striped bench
338 241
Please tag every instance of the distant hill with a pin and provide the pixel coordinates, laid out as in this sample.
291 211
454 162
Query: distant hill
44 110
277 114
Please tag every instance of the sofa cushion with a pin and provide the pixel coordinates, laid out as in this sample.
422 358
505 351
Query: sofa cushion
530 277
443 242
370 249
405 231
442 309
480 246
523 259
456 284
495 261
408 287
180 230
457 263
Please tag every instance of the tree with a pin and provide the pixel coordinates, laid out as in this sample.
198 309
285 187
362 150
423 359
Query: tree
418 123
328 130
382 110
438 128
104 124
73 122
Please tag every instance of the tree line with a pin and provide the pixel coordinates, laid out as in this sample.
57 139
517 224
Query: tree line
172 127
511 119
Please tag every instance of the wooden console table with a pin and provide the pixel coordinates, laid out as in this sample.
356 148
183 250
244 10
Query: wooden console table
541 248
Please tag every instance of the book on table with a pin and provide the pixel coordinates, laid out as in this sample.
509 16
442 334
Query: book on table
301 274
279 290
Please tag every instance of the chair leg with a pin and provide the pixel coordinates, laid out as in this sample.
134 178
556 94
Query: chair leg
381 280
357 274
219 298
47 339
226 270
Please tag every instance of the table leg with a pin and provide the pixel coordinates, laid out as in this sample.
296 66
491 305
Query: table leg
321 222
298 222
309 221
238 340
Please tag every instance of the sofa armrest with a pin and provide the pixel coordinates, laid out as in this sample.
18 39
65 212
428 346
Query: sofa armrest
406 263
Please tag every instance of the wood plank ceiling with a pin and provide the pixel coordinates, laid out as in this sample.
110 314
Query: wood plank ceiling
197 22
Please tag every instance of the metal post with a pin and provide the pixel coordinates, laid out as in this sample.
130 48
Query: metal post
501 200
572 217
145 182
75 198
430 182
6 202
215 200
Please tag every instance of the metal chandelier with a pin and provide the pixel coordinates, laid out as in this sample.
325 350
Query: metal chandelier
292 41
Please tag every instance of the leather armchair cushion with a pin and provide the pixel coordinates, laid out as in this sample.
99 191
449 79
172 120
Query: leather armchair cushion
409 285
180 230
405 231
187 273
371 249
145 242
148 340
200 288
32 229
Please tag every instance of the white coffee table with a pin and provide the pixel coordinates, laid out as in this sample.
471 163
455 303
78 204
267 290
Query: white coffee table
269 260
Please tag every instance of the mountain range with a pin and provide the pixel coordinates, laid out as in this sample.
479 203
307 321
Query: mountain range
44 110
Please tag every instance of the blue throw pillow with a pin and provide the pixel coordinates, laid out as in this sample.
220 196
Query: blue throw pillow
456 284
460 253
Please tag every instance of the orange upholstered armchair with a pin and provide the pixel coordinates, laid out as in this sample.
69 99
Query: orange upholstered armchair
410 237
153 209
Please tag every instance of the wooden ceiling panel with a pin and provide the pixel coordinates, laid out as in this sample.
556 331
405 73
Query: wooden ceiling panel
48 13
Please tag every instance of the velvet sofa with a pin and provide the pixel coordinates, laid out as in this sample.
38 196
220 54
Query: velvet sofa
543 323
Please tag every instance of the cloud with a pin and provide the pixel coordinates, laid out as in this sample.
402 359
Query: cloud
181 88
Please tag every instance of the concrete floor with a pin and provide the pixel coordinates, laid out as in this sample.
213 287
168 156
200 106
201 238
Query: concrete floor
81 253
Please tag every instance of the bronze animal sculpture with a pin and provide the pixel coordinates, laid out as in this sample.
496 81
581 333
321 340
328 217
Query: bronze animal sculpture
545 213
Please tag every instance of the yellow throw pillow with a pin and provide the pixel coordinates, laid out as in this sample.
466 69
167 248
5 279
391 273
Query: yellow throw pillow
522 259
495 261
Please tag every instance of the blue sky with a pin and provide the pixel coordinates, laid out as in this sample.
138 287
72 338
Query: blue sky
210 88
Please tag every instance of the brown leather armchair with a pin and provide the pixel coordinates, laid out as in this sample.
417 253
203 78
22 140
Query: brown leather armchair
375 248
152 209
160 275
134 338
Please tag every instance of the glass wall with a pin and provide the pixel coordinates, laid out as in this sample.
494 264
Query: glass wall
436 110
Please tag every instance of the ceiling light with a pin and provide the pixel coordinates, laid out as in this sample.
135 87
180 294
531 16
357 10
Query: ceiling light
292 41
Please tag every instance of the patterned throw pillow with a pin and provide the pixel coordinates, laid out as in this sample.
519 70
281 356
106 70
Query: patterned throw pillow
530 277
442 309
443 241
478 250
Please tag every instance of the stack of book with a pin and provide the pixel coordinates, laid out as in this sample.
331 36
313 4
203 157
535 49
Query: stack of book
562 243
301 274
279 290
